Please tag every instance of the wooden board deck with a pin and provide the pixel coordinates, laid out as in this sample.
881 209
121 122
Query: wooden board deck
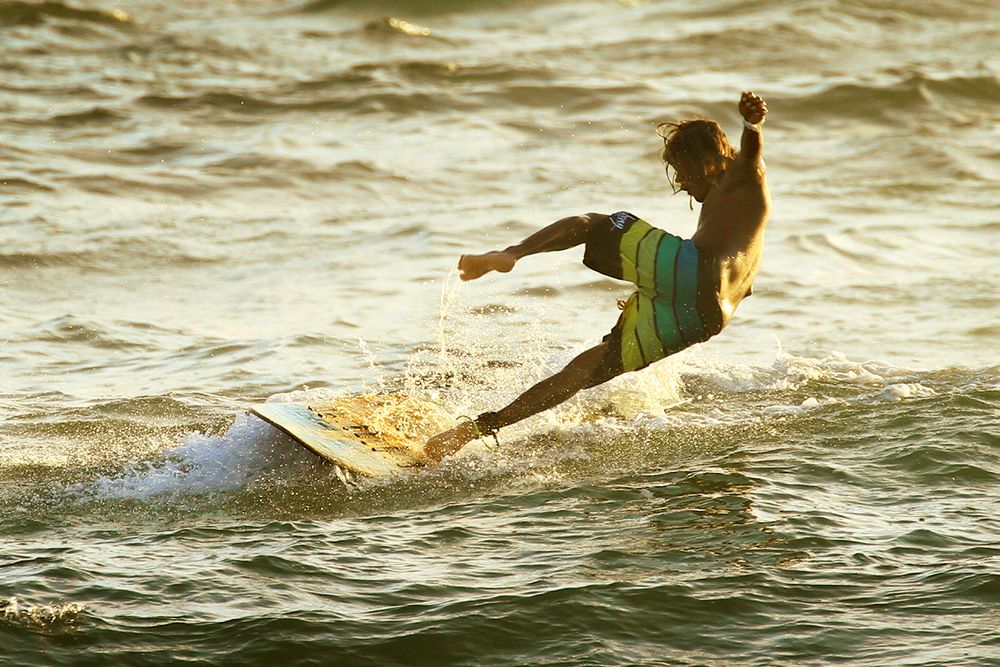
375 435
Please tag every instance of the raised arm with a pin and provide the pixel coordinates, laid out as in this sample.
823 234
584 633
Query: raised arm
754 111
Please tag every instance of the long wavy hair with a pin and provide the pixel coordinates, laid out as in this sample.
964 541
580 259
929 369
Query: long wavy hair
696 148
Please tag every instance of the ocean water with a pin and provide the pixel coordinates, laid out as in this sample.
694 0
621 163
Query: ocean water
209 205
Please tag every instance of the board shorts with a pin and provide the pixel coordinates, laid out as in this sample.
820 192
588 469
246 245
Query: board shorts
675 304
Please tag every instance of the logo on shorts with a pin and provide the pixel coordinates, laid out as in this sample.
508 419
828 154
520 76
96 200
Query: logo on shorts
620 218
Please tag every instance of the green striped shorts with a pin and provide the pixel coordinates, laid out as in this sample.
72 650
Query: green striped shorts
676 301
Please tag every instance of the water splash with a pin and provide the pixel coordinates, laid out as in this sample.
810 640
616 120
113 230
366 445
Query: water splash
469 370
49 619
901 392
485 356
249 451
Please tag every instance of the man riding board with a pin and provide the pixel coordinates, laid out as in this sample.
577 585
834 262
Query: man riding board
687 289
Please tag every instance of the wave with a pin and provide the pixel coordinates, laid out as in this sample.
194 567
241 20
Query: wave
203 464
850 245
164 181
727 46
71 329
361 173
443 88
14 185
14 13
895 12
693 406
399 102
111 255
419 7
49 619
95 116
884 103
422 72
392 27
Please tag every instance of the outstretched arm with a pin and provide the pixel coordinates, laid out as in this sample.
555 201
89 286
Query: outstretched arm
754 111
560 235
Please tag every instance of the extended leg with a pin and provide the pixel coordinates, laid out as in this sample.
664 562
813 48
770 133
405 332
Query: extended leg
578 374
560 235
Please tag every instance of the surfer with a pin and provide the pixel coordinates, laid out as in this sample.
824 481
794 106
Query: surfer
686 289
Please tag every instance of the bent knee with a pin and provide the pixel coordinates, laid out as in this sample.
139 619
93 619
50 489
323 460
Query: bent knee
588 222
590 219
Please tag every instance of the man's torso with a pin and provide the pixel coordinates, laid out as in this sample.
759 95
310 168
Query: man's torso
731 233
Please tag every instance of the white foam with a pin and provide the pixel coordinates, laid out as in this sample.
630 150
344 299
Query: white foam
249 450
790 372
682 390
900 392
306 395
809 404
689 390
40 616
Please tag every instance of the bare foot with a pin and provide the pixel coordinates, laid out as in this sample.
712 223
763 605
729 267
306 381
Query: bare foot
449 442
474 266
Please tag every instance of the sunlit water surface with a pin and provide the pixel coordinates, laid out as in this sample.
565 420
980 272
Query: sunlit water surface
209 205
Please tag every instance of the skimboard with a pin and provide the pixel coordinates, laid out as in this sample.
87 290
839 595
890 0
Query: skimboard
375 435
